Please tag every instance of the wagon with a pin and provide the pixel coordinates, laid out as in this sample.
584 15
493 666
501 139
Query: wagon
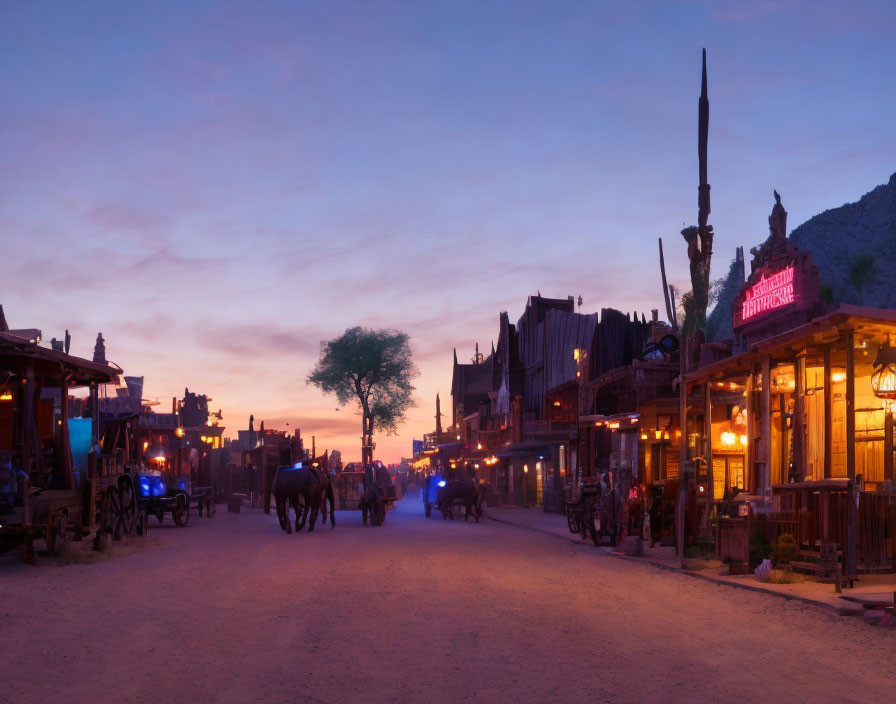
350 487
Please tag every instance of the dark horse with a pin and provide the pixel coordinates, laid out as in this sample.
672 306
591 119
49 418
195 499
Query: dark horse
464 490
304 489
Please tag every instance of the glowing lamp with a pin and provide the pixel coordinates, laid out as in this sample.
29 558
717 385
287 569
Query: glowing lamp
883 379
743 439
643 436
556 404
837 377
525 469
478 445
666 435
728 438
145 445
6 396
658 434
179 432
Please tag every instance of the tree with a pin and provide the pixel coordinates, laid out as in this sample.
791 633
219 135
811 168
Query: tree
374 368
861 273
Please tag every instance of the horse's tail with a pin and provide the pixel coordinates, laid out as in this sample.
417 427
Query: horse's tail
332 501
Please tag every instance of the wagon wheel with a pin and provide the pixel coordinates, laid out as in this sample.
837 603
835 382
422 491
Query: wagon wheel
127 516
181 511
141 524
56 534
111 507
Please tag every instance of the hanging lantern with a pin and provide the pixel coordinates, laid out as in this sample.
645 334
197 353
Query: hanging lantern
883 380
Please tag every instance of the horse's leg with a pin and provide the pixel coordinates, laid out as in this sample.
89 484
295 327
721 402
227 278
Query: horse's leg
332 500
315 508
305 502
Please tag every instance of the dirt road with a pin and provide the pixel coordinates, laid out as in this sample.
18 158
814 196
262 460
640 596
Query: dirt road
233 610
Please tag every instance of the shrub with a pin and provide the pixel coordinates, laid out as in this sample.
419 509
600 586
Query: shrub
785 549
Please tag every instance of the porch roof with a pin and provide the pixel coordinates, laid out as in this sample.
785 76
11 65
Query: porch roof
860 320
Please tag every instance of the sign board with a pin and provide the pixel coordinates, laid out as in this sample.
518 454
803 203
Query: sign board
769 293
418 447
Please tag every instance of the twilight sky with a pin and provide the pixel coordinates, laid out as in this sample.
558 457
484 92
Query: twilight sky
219 186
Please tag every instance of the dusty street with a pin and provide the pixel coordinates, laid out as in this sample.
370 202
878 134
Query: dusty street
233 610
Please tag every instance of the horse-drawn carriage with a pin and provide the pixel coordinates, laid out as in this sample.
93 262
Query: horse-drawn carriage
369 489
454 495
593 512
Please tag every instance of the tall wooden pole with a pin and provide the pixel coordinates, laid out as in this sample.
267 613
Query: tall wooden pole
850 407
666 297
799 423
888 444
766 433
828 415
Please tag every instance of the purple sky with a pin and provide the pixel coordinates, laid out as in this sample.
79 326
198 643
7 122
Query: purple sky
218 186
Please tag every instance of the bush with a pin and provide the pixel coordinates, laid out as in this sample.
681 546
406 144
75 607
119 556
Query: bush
785 549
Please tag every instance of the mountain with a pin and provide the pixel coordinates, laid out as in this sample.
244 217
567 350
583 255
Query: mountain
839 237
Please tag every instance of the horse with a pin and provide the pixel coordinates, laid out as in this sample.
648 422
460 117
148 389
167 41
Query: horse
313 487
465 490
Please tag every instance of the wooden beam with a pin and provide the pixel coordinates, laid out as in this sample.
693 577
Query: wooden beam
750 483
65 448
707 439
888 445
799 412
828 415
850 407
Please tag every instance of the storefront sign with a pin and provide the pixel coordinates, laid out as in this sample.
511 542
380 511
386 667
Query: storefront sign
768 294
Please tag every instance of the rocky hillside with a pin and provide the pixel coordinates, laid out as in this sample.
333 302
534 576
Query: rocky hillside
841 237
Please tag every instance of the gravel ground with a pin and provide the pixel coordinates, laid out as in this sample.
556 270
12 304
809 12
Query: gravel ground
234 610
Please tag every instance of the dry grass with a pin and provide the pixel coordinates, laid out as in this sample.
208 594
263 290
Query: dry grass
783 577
697 565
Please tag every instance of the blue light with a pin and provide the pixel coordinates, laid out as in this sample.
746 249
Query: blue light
182 484
442 483
144 489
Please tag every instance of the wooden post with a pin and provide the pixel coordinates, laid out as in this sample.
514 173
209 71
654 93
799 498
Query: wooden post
888 444
683 468
27 435
766 432
852 530
708 500
750 483
850 407
785 446
799 413
828 415
65 448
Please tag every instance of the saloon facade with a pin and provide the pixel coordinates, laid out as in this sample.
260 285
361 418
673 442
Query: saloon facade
800 415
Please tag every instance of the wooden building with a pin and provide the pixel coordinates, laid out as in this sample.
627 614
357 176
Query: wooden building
800 416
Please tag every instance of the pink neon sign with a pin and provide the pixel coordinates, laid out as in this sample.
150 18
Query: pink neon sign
768 293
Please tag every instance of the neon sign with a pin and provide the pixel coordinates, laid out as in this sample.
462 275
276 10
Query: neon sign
768 293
